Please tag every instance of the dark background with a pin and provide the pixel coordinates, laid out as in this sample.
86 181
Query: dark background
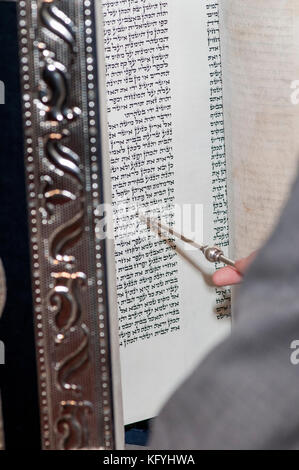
18 381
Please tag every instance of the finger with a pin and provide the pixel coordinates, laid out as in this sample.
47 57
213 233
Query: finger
226 277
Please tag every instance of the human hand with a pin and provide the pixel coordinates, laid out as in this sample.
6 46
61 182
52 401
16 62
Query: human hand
230 276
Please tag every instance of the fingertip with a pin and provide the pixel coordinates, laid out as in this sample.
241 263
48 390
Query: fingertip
226 276
217 279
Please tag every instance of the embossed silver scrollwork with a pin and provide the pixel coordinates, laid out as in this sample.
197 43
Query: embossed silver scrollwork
58 23
54 95
57 152
72 424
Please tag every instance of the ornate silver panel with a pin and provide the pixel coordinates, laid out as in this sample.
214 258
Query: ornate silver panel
65 187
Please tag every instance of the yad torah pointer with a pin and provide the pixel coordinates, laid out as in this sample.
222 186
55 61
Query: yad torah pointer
212 253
